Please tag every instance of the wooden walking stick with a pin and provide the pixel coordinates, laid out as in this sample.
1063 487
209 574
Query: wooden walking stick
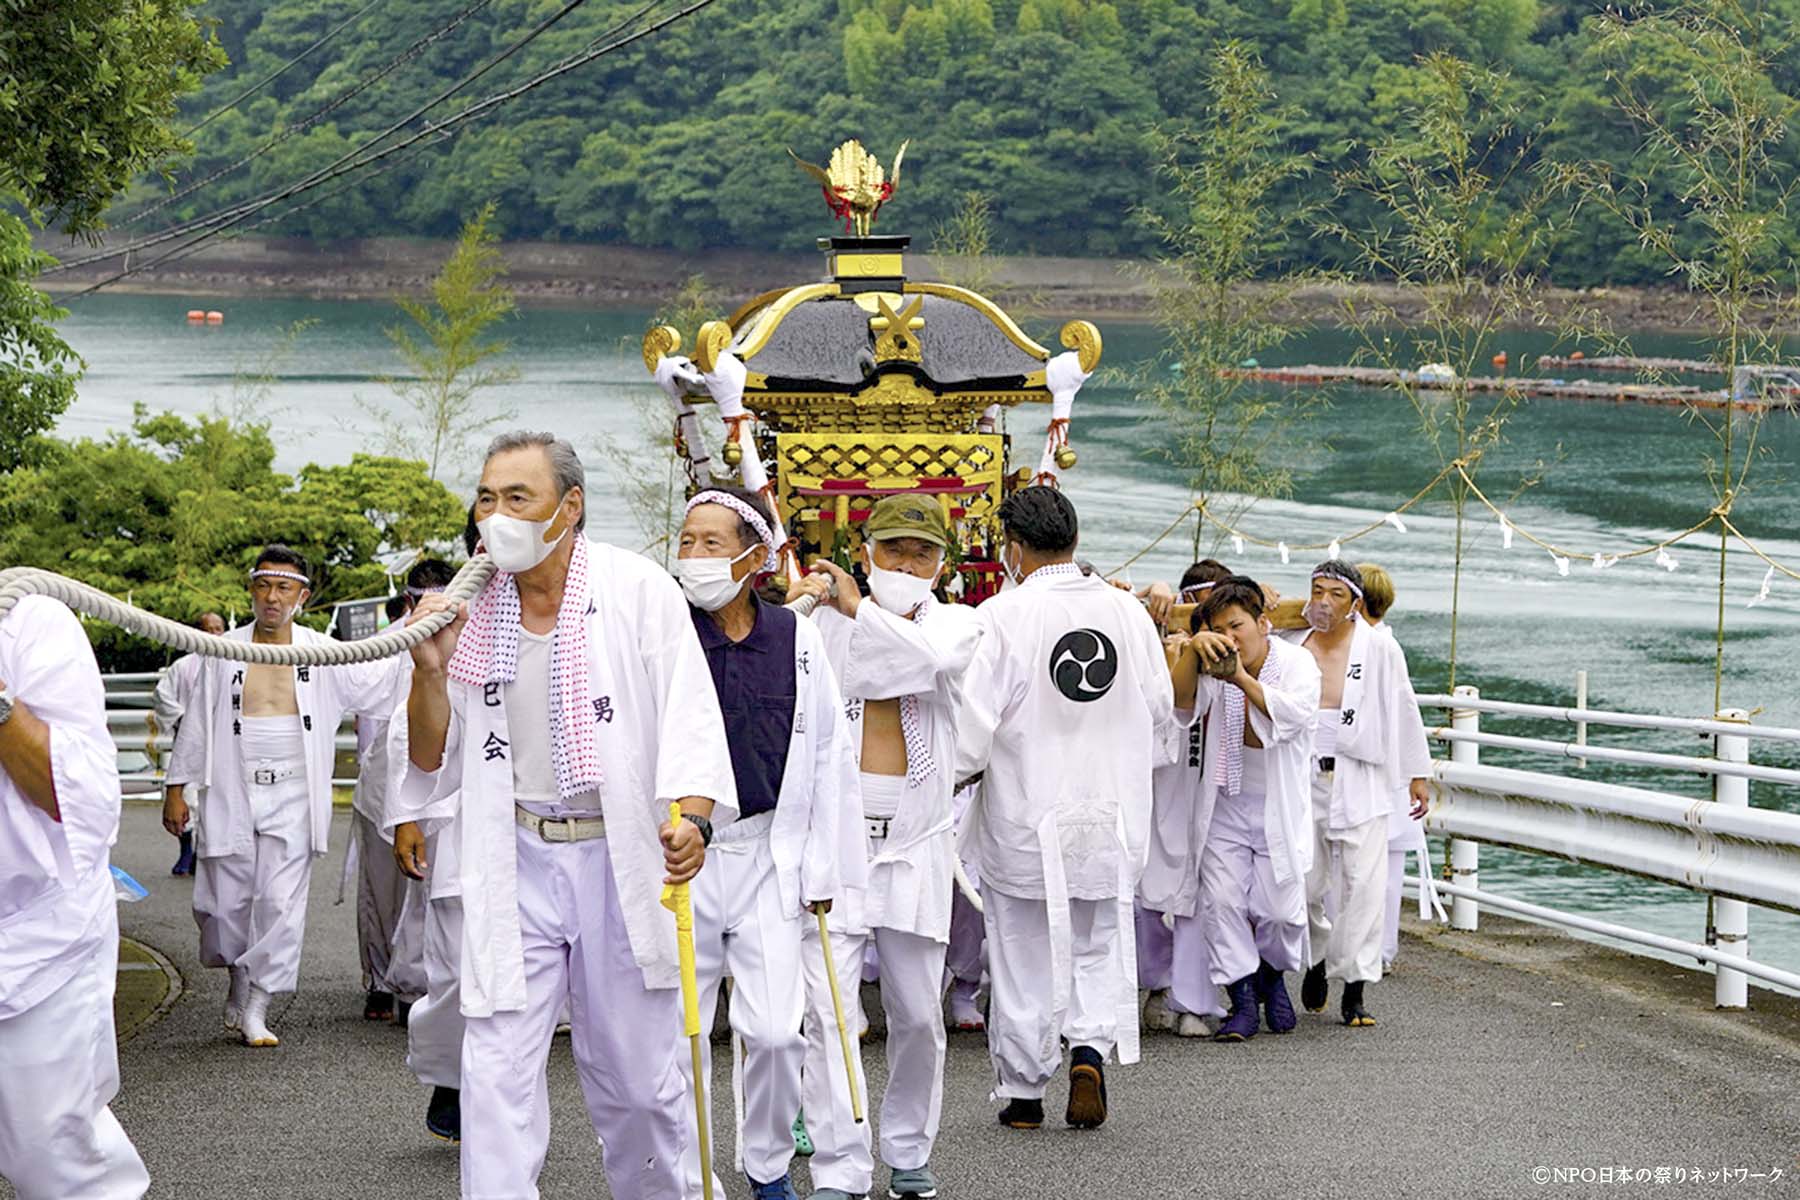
677 899
837 1005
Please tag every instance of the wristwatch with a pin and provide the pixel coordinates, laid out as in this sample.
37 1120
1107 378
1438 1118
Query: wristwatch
700 823
6 706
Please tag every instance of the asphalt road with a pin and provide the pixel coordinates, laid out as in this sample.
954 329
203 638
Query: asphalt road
1496 1054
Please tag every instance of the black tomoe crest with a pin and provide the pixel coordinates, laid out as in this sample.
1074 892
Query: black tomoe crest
1084 664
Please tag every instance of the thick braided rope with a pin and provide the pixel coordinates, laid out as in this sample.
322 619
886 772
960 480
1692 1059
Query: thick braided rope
19 582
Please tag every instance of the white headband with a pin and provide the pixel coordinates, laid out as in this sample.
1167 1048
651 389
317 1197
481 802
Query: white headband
751 517
1189 593
1336 578
422 591
260 573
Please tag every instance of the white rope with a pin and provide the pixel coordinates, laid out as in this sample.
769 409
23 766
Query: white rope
19 582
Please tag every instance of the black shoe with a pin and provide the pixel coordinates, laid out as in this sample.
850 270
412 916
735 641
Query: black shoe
378 1006
1022 1114
1087 1090
402 1012
184 862
443 1117
1354 1014
1313 989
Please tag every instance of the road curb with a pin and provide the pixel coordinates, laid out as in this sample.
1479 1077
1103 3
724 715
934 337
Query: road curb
136 1018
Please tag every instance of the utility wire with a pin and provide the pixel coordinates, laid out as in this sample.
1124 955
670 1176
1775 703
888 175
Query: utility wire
283 69
232 214
473 112
313 118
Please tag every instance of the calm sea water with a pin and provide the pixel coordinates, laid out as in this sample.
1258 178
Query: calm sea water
1613 477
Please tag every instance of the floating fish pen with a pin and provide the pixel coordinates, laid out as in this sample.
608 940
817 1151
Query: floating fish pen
1554 389
1626 362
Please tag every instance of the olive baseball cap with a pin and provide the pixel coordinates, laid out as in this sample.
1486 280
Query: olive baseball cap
907 516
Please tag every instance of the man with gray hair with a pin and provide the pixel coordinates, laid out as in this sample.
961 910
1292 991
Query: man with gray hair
548 730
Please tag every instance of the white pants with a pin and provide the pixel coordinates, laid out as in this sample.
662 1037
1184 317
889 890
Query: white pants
434 1031
1390 918
381 901
966 956
1176 957
1155 949
1351 864
1250 918
59 1069
742 929
626 1040
912 998
1021 1041
251 907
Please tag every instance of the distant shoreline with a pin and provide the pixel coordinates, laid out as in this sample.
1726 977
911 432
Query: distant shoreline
569 274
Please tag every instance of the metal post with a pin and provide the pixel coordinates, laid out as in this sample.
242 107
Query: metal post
1581 726
1731 918
1465 856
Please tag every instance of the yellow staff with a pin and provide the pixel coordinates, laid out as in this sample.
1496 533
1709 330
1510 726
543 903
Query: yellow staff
837 1005
676 898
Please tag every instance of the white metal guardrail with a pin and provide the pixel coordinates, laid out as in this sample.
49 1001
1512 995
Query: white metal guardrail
144 746
1718 846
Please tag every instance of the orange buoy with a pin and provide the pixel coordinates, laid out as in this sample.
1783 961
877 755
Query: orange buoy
215 317
1500 359
196 315
1578 354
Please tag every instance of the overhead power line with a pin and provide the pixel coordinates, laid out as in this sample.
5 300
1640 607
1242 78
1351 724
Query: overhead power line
313 118
278 72
231 214
596 50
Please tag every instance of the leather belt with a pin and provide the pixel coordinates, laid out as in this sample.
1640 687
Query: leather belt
877 826
561 829
268 775
1327 765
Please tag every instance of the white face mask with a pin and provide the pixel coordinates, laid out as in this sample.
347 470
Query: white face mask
708 582
897 591
1321 616
1015 574
517 545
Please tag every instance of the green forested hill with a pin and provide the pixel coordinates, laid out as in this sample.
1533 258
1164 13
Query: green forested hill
1047 106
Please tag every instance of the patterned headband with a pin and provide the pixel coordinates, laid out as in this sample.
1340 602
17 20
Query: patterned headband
1196 591
1337 577
260 573
751 518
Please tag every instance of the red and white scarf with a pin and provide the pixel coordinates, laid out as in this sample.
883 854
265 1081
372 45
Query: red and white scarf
1231 736
487 652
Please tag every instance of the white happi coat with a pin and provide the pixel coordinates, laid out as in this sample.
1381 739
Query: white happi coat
1404 833
1188 791
816 838
175 690
660 738
881 656
1381 743
1065 808
57 907
206 758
